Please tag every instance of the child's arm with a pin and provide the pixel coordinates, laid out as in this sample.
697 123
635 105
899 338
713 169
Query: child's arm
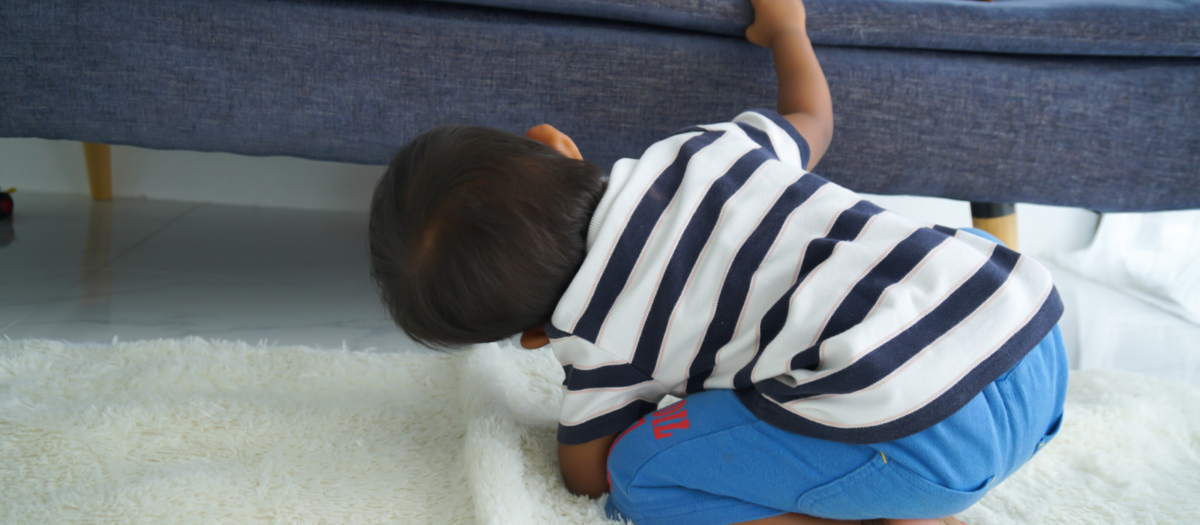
803 93
585 467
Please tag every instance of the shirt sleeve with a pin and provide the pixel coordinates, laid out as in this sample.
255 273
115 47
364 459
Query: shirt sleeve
774 133
602 395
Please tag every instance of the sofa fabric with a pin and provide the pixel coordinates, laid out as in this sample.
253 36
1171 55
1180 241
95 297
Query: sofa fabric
354 81
1060 27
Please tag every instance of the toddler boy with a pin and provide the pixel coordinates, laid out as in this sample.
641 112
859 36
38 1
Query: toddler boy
838 361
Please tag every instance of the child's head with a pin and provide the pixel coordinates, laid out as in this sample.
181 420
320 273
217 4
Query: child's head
475 233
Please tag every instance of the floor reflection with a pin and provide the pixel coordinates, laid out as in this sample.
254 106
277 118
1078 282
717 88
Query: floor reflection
95 303
8 234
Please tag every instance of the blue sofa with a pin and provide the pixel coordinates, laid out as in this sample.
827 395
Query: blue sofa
1089 103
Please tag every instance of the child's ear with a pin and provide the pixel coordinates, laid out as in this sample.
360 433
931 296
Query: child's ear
546 134
535 338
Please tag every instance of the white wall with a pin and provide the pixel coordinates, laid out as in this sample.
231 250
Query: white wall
58 166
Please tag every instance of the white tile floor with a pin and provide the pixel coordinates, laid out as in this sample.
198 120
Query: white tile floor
83 271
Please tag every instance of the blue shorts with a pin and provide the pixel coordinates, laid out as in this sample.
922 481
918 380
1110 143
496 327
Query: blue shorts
727 466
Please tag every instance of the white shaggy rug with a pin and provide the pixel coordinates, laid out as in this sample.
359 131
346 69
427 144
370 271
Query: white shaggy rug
192 431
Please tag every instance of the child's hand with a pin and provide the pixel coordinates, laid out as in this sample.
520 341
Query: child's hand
773 18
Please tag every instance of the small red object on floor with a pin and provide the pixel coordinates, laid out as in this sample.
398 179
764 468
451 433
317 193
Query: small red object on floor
6 204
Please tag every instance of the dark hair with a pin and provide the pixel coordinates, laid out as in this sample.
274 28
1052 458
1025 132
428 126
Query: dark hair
476 233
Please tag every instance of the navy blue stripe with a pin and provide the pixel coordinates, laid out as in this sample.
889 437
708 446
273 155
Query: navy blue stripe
683 260
760 137
732 298
608 424
633 238
691 129
554 333
866 292
778 119
848 226
1003 360
885 359
950 232
609 376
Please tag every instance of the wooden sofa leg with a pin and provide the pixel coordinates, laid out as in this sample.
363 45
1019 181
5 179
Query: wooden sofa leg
997 218
99 167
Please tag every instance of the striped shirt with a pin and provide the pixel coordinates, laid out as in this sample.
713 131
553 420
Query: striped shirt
717 261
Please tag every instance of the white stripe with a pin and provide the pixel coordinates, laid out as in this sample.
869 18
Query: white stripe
739 216
822 292
618 176
628 313
582 354
941 365
785 147
898 309
654 161
810 220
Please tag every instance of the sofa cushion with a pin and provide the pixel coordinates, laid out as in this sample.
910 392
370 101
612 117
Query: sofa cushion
1169 28
353 81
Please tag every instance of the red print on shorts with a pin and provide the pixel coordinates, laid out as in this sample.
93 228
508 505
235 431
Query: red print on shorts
668 419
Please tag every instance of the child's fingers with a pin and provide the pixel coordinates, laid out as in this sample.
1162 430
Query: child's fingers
772 17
